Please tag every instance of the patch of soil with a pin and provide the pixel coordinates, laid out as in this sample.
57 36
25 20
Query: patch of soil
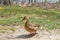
21 34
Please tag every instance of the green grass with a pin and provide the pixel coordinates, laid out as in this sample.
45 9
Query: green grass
5 29
48 19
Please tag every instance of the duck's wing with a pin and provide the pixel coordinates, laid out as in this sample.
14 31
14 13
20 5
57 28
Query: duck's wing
33 26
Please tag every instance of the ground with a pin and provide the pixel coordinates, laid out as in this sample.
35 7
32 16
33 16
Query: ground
12 26
21 34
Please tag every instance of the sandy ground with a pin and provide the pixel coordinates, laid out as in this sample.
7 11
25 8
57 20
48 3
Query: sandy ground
21 34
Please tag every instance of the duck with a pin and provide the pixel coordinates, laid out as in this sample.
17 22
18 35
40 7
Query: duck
31 28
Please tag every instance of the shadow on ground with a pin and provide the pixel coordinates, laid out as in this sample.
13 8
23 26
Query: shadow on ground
25 36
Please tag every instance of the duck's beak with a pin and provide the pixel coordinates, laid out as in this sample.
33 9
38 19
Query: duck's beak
22 19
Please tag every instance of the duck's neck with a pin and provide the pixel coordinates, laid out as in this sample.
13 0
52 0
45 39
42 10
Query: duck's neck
27 22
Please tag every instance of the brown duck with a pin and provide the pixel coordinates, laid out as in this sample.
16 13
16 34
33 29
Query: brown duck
32 28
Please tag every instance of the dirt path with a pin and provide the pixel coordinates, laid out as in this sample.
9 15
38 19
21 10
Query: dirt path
21 34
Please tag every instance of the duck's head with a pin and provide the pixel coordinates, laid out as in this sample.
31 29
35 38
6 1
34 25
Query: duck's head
25 18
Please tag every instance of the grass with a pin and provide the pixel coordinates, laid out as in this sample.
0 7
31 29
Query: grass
5 29
48 19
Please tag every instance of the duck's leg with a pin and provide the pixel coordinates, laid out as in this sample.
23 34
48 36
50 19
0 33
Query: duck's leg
32 33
